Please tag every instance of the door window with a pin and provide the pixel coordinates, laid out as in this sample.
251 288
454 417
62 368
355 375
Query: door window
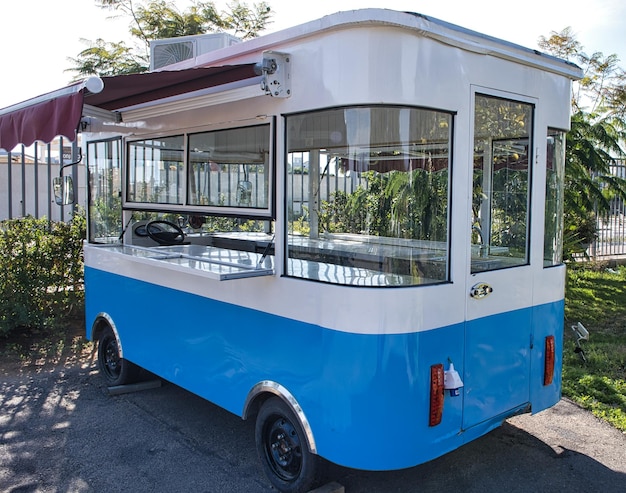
501 183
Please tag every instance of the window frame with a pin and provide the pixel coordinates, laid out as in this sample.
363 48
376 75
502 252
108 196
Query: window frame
255 213
532 103
557 254
452 114
126 166
90 147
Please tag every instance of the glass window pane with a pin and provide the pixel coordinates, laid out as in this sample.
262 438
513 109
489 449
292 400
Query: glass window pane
105 191
555 176
229 168
500 211
368 194
156 171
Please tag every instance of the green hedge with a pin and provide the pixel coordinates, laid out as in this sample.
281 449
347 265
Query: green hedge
42 272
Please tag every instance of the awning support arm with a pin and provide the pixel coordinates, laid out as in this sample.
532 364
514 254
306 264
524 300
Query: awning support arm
276 71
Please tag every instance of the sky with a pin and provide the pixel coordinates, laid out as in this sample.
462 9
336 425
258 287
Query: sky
38 36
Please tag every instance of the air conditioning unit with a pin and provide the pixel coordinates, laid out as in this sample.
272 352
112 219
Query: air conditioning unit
164 52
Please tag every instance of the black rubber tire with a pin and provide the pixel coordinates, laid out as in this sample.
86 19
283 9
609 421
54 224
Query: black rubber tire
282 448
115 370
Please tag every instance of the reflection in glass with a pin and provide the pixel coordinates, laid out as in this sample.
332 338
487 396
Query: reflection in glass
500 199
229 168
156 170
555 176
368 194
105 190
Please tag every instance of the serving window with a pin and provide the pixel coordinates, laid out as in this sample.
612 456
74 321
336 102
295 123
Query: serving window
230 168
368 193
156 170
217 172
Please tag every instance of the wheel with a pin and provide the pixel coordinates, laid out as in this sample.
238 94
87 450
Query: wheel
115 370
282 448
165 232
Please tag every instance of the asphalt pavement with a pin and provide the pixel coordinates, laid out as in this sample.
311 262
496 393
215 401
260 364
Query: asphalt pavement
61 431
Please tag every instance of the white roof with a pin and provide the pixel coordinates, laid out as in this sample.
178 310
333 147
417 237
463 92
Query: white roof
423 25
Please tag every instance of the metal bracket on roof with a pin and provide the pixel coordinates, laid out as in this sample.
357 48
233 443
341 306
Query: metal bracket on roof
100 114
276 71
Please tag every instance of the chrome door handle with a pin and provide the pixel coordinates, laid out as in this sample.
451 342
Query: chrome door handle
480 290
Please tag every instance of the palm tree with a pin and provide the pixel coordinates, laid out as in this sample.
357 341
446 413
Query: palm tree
595 141
592 148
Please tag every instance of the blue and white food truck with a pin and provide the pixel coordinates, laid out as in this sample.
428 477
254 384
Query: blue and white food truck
349 231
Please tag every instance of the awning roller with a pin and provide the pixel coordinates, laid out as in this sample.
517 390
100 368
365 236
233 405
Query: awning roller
124 91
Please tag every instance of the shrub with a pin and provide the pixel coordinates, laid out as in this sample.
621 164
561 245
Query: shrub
42 272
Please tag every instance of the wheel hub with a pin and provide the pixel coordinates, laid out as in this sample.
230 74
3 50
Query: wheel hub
285 449
112 358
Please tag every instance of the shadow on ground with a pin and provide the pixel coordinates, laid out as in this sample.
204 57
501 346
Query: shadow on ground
61 431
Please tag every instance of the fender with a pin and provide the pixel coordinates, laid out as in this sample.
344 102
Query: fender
268 386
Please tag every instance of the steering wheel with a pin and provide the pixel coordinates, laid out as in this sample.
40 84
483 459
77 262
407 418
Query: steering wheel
165 232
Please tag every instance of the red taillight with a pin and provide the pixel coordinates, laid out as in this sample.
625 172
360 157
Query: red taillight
436 394
548 372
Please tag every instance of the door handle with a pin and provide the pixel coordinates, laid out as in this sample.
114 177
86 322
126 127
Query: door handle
480 290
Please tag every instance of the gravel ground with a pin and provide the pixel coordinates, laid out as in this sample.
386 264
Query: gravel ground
61 431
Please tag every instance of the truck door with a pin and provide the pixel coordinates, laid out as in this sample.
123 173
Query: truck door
499 281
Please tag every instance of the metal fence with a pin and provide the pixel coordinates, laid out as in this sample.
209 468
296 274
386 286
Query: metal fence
611 239
26 175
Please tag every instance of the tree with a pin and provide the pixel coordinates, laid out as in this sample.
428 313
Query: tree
160 19
603 85
104 58
596 139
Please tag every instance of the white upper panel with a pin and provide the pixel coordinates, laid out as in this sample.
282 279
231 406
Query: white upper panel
376 56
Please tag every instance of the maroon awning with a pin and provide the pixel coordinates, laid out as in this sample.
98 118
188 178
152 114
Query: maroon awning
59 113
42 121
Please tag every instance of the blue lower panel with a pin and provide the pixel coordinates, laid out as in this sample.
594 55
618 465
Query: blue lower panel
497 365
365 396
